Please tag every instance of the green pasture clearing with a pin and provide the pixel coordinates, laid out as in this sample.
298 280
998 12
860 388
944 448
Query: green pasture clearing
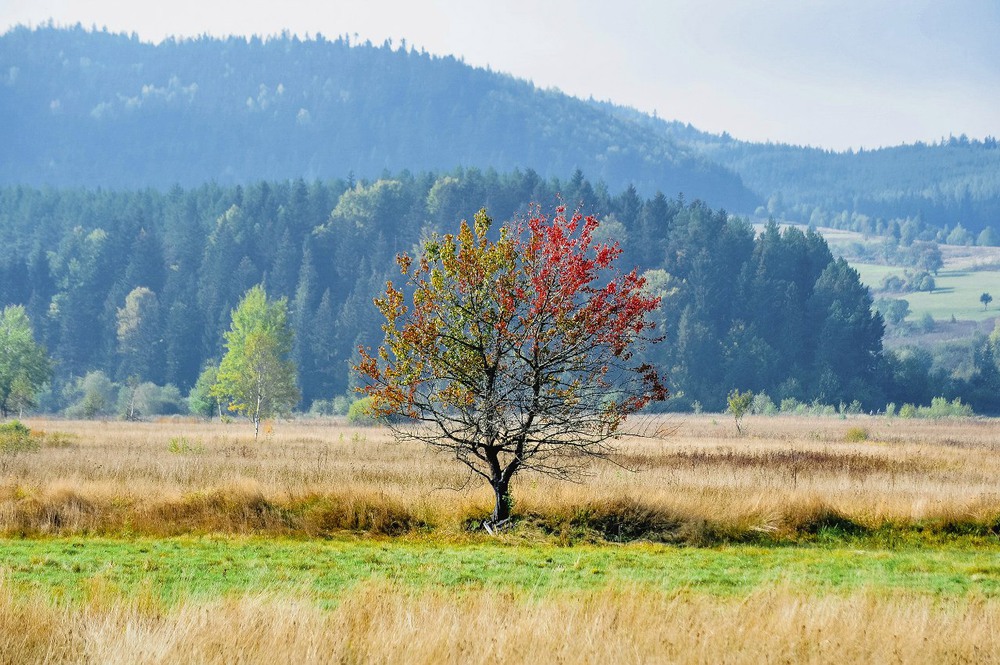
75 569
957 293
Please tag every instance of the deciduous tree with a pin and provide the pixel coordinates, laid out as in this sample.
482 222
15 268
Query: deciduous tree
200 399
139 333
514 353
256 377
738 404
24 364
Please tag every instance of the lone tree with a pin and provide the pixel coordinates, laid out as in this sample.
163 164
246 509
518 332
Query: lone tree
986 299
24 364
515 353
255 376
738 404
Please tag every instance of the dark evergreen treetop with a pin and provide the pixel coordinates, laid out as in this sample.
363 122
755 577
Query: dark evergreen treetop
773 312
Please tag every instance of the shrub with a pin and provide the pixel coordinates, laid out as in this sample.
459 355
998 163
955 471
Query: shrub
890 409
181 445
359 413
762 405
941 408
856 435
338 406
907 411
91 396
16 437
789 405
148 399
321 407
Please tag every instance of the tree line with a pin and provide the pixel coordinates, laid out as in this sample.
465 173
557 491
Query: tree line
141 285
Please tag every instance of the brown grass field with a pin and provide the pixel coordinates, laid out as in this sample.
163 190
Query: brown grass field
783 483
788 477
377 624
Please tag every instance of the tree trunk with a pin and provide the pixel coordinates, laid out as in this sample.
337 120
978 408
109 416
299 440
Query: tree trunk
501 511
500 482
256 415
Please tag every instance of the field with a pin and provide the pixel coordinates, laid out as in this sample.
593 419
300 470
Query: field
956 294
968 272
808 539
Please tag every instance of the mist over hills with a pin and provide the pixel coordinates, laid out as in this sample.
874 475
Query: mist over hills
88 108
954 181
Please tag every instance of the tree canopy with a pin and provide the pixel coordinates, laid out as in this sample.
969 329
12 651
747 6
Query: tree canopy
24 364
515 353
256 377
738 305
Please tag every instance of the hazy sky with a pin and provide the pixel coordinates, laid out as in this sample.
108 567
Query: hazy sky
841 74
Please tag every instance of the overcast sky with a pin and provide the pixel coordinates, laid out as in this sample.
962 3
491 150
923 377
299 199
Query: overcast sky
835 74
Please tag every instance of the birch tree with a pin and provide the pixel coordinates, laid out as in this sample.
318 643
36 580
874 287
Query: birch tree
256 377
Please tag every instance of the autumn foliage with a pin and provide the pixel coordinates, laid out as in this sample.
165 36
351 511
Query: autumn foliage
516 352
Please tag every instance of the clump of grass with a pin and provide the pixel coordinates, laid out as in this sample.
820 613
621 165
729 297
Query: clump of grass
820 520
321 516
856 435
59 440
618 519
181 445
16 437
229 510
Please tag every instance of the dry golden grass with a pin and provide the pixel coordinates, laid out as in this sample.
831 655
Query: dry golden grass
310 478
313 478
382 624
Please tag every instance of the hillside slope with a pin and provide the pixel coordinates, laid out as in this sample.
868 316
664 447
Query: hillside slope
955 181
86 108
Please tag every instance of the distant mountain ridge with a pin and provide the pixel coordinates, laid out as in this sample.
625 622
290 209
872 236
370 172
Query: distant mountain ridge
86 108
955 181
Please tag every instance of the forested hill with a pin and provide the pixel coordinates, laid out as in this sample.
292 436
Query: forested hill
955 181
84 108
770 312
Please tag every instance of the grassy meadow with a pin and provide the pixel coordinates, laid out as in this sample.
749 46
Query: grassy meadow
816 539
956 294
967 273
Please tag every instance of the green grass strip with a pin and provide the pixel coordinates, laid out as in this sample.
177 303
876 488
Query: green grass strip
70 569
